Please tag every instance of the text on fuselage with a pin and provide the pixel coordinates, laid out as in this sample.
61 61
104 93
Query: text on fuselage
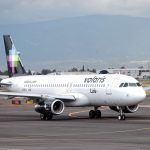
30 81
95 80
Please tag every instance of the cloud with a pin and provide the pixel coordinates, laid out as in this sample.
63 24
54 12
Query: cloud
23 11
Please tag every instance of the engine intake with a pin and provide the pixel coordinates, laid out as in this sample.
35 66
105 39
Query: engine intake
57 107
131 109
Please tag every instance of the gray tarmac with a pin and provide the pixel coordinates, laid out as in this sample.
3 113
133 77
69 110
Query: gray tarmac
22 129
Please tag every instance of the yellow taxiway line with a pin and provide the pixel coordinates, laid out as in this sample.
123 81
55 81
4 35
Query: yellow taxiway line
75 114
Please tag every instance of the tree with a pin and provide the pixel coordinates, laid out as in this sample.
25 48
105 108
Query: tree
5 72
54 70
74 69
140 67
29 72
45 71
123 67
82 69
93 70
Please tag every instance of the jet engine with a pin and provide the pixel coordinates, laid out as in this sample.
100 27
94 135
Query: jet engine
56 107
131 109
126 109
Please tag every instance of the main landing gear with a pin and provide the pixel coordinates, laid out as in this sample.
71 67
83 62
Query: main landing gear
94 113
121 116
97 113
46 116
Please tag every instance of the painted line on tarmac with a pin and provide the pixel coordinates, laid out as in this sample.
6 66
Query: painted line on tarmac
107 132
144 106
9 149
75 114
75 135
132 130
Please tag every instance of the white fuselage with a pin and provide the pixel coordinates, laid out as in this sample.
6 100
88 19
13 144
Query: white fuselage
88 90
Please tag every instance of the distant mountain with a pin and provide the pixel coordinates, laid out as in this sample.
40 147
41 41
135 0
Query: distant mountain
92 40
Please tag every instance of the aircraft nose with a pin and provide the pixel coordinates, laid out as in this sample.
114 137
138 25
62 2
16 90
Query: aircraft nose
141 95
137 95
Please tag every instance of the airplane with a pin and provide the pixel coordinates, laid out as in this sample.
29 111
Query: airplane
55 92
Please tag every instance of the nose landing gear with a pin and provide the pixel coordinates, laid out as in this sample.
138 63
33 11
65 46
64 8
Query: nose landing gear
121 116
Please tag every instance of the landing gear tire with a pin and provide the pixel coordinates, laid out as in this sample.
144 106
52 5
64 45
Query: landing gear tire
121 117
98 114
94 114
91 114
46 116
49 117
43 116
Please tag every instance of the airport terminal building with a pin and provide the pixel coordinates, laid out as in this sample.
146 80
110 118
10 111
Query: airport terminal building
137 73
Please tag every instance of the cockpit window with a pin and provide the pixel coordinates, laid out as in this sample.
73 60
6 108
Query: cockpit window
125 85
132 84
121 85
138 84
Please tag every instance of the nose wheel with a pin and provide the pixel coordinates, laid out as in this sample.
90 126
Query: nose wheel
121 116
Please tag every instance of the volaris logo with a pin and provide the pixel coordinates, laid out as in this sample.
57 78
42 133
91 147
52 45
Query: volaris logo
13 58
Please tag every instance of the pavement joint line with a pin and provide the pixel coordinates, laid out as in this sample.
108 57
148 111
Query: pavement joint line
59 137
109 132
145 106
9 149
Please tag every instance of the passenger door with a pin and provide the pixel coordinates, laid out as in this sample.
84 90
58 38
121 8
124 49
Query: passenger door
69 87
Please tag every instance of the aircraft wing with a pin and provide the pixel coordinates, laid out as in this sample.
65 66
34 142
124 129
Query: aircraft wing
5 84
36 96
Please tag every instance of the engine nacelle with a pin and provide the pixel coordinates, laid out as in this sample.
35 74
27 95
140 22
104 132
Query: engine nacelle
56 107
126 109
131 109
